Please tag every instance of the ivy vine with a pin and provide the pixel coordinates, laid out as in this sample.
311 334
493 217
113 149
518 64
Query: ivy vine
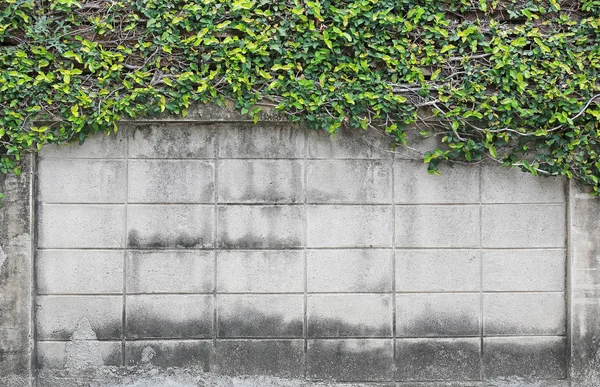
515 81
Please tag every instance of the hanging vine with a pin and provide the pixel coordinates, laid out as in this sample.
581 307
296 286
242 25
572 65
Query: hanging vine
511 81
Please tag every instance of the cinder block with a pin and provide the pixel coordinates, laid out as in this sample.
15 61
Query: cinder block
524 270
170 271
350 270
81 181
351 360
187 141
437 226
523 225
524 314
438 359
349 144
356 315
349 226
169 316
423 315
266 141
171 181
414 185
349 181
261 181
77 225
282 358
272 271
244 226
97 146
170 226
194 354
437 270
525 357
261 315
55 355
79 271
57 317
504 185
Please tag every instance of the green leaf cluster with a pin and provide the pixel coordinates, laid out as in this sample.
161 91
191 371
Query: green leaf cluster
515 81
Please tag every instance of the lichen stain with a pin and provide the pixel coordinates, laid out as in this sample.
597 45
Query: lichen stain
83 353
2 258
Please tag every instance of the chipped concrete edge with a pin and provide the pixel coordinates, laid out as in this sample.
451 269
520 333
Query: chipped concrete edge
16 277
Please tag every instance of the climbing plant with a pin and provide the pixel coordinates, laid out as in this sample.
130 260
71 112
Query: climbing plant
511 81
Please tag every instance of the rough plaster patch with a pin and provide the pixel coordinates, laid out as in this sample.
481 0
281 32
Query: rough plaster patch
83 351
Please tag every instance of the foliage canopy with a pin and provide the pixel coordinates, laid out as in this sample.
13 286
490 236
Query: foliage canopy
513 81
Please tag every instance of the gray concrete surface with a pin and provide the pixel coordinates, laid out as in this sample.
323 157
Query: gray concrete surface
232 254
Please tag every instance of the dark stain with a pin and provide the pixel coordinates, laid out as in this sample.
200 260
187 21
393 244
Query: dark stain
143 324
538 358
438 359
330 327
114 358
251 241
172 353
104 331
441 323
160 241
283 358
252 323
334 360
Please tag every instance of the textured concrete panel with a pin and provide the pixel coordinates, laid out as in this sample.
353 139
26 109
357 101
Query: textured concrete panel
171 181
273 271
438 359
169 316
261 142
437 270
57 317
60 354
261 181
170 226
525 357
504 185
422 315
243 226
172 141
349 226
351 359
260 315
456 184
349 181
79 271
16 279
77 226
81 181
172 353
170 271
349 270
357 315
349 144
437 226
524 314
283 358
524 270
584 289
100 146
523 225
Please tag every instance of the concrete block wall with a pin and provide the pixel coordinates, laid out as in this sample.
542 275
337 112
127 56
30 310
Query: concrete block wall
272 250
